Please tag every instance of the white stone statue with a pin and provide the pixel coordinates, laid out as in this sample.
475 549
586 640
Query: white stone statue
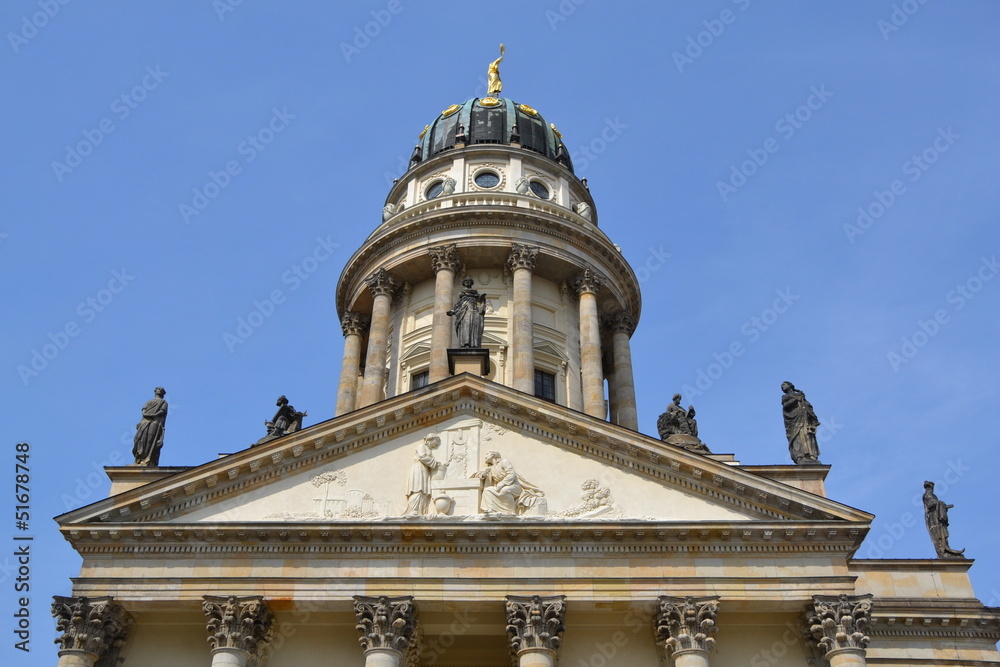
448 187
583 209
521 185
418 484
505 492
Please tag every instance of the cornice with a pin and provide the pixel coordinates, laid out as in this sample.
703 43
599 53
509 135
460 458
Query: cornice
166 499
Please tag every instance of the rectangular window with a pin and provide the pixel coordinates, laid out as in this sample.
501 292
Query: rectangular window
545 386
419 380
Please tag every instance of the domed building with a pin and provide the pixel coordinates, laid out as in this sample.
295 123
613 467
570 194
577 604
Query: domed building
482 496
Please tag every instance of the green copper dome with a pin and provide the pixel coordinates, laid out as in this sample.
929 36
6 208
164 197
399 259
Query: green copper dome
491 120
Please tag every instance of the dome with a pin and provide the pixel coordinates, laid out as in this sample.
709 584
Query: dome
491 120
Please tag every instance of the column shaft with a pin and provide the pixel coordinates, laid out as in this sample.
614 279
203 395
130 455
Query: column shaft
76 658
590 356
522 338
444 286
536 657
382 657
624 381
848 657
229 657
378 338
694 658
349 369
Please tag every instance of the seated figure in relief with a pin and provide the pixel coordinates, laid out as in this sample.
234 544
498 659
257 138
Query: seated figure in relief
505 492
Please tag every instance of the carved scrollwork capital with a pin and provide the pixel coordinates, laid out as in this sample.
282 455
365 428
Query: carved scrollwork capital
589 281
620 322
354 324
445 257
95 625
381 282
687 623
385 622
839 622
522 257
243 623
535 621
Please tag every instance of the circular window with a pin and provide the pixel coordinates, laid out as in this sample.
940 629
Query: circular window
539 189
487 179
434 190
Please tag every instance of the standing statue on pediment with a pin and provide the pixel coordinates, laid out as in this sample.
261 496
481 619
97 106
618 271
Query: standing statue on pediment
505 491
149 432
470 316
418 484
800 425
936 517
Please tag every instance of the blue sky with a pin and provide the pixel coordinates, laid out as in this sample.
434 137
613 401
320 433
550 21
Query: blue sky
834 161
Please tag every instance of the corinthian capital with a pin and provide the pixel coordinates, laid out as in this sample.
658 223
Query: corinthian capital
535 621
589 281
687 623
839 622
381 282
445 257
242 623
522 257
385 622
354 323
94 625
620 322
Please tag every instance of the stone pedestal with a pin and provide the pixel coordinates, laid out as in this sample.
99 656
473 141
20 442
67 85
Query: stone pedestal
475 360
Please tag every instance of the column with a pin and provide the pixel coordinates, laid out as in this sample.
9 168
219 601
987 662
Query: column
382 286
522 262
621 326
686 625
387 626
838 624
239 630
446 263
91 629
586 285
353 325
535 625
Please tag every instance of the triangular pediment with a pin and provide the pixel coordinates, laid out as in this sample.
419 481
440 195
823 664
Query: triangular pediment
355 468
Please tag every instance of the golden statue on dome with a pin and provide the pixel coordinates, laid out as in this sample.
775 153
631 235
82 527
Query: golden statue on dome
493 84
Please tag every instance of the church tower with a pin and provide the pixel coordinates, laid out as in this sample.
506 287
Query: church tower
490 196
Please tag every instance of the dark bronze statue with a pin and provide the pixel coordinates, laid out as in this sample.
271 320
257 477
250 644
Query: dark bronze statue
286 420
469 313
800 425
149 432
678 426
936 516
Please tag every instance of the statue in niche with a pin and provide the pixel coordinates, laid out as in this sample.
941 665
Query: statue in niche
149 432
469 313
418 484
286 420
936 516
505 492
678 426
800 425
